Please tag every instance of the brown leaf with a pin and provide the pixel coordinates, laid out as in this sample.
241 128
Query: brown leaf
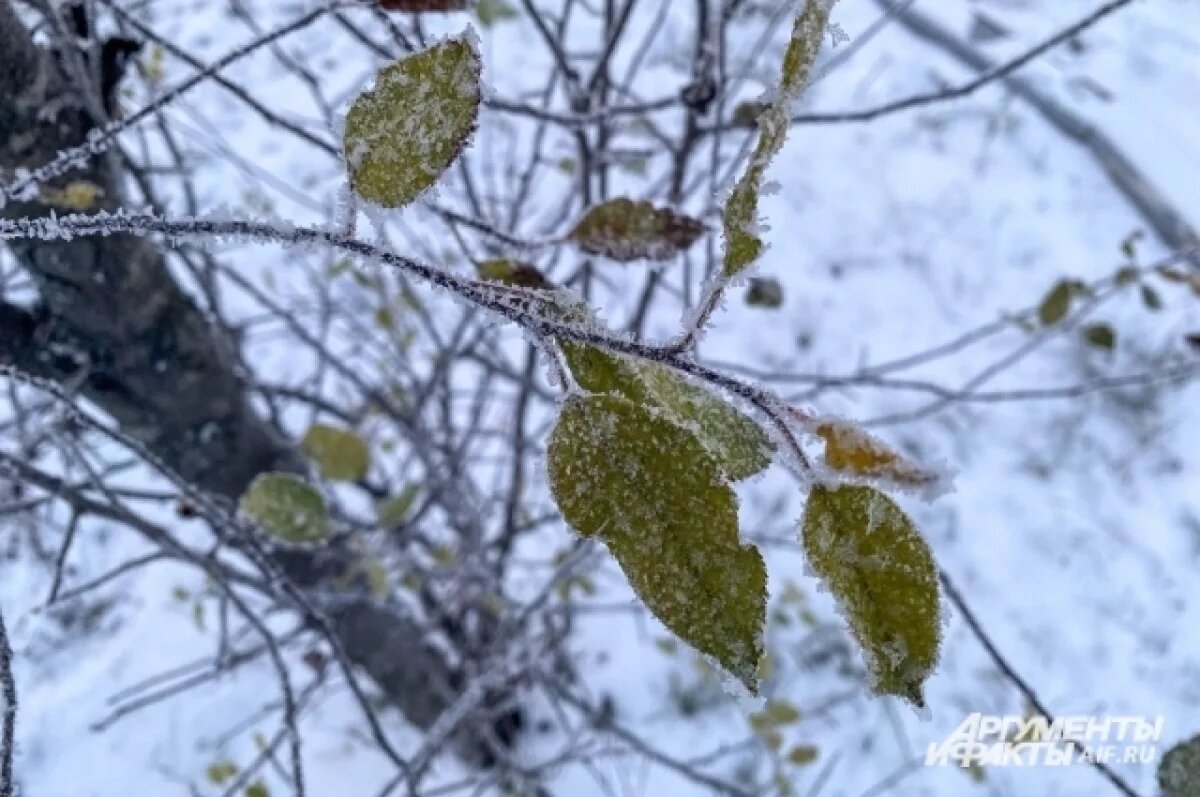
624 230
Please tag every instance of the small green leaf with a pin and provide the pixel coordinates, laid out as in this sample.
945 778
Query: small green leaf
1179 770
1102 336
802 755
624 230
1056 304
1129 244
775 714
490 12
339 453
406 131
392 511
221 772
1151 299
257 789
764 292
512 272
882 574
746 114
287 507
1126 275
652 492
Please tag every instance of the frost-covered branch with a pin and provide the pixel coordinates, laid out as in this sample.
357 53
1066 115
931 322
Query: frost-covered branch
514 304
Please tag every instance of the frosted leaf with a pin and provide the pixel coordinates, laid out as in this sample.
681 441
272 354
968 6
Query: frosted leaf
882 574
851 450
339 453
650 490
287 507
624 230
1179 769
401 135
738 445
743 244
512 272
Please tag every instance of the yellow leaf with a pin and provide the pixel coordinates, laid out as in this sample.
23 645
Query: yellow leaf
850 449
339 453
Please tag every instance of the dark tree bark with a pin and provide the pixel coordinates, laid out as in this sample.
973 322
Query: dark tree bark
113 321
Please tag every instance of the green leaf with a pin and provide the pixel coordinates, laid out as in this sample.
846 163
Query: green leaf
1151 299
257 789
882 574
406 131
512 272
775 714
339 453
287 507
624 230
802 755
1057 302
492 11
739 445
392 511
740 217
221 772
653 493
1179 770
1102 336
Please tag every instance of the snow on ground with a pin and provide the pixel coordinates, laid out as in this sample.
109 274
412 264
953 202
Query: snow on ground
1074 529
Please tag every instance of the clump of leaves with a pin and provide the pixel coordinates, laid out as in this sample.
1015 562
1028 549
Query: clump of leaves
406 131
643 458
